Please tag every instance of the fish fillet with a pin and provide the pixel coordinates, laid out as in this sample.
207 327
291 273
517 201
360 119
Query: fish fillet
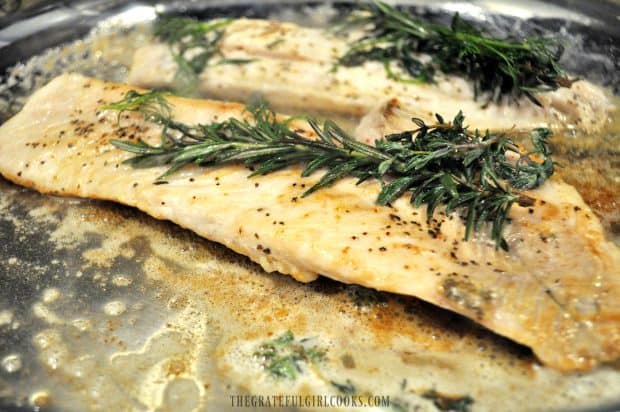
557 290
292 69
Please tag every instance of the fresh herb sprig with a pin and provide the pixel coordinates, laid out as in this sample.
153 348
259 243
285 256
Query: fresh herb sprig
480 175
497 66
282 357
195 45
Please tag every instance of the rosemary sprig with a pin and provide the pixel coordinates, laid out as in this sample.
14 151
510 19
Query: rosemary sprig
282 357
496 66
481 175
194 44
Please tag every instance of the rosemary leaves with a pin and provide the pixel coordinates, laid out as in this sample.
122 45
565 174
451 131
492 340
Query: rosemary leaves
480 175
194 44
283 356
497 66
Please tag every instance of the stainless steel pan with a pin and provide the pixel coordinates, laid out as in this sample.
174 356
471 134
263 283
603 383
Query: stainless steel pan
104 308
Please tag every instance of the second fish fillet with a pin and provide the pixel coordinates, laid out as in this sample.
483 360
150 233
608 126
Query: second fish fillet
292 67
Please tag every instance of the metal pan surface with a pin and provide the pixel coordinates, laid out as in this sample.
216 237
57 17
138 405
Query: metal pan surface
105 308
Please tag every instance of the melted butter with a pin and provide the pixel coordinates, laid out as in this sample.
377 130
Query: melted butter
194 312
591 163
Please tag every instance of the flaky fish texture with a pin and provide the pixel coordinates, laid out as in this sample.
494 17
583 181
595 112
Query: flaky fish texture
556 290
292 67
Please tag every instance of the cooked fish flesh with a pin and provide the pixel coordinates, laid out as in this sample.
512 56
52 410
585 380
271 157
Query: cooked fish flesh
557 290
292 68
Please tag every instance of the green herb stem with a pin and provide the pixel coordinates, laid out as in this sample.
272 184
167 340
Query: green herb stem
497 66
283 356
195 46
480 175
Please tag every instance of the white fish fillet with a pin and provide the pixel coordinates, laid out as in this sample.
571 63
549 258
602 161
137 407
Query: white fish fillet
292 69
557 290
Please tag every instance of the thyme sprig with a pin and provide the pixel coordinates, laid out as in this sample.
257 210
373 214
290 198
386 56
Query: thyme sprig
497 66
195 44
480 175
